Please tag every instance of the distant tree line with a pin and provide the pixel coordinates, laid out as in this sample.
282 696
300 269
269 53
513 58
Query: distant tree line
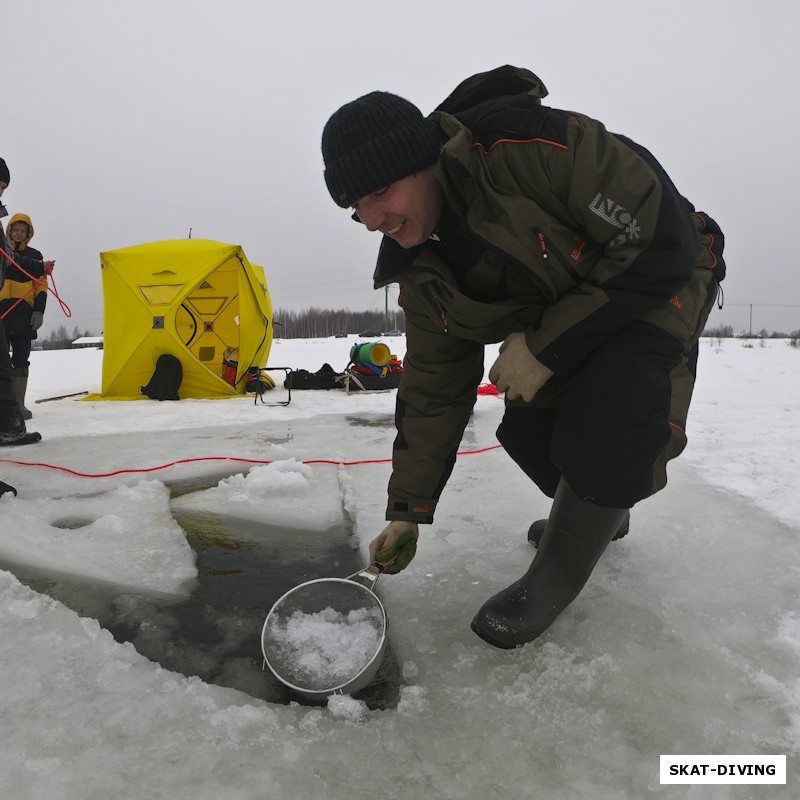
319 323
726 332
59 339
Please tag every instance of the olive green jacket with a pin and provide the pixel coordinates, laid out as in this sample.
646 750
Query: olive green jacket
580 232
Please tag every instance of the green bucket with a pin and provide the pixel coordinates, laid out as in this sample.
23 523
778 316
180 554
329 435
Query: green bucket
370 354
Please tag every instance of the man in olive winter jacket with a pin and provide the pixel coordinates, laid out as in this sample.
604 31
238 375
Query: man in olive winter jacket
504 220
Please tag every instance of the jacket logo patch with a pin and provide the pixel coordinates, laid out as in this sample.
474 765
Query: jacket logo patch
423 508
580 242
614 214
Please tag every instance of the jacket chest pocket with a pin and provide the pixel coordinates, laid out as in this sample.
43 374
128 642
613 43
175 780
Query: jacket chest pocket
477 321
564 257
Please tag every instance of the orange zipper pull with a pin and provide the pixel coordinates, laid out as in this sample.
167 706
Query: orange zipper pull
542 244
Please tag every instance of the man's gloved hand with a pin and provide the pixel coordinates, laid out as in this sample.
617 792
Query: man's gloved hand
48 267
397 543
37 318
516 371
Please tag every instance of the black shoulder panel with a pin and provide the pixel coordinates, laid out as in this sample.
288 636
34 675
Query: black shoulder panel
517 118
503 81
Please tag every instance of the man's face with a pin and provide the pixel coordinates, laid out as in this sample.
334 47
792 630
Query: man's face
3 187
18 232
407 210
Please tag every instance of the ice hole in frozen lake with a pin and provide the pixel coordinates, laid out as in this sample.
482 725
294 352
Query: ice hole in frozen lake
72 523
215 634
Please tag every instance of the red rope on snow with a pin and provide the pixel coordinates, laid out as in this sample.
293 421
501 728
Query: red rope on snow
219 458
64 307
488 389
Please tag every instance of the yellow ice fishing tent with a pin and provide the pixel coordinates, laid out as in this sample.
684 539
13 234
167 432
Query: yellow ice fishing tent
196 299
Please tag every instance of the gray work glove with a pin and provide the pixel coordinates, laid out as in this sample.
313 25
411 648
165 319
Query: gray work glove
395 546
516 371
37 318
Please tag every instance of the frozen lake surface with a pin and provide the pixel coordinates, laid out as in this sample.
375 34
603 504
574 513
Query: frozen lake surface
685 640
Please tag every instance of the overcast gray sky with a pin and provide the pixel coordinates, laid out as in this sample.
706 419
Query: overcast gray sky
125 123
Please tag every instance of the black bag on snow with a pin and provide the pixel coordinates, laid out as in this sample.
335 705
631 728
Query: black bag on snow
166 379
357 377
323 378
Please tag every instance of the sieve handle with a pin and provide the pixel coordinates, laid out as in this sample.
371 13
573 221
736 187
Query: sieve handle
371 576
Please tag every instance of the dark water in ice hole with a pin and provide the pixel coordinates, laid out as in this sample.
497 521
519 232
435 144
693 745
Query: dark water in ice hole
215 634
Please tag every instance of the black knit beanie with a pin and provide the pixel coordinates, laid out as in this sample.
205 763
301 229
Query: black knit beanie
374 141
5 177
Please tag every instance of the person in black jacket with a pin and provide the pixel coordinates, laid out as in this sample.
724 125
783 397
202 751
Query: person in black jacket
12 425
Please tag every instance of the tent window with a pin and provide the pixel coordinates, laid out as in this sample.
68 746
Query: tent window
206 353
161 294
207 306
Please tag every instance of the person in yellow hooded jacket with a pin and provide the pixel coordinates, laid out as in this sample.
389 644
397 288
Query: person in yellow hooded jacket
23 298
13 431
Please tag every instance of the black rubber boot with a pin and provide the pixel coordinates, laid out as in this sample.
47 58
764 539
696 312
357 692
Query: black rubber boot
537 529
20 389
13 431
575 537
7 487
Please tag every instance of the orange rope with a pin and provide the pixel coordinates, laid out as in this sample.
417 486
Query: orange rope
219 458
64 307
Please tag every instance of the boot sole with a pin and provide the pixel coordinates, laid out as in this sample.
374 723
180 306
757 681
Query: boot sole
490 640
28 438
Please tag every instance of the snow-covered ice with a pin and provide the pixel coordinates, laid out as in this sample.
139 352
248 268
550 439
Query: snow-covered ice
685 640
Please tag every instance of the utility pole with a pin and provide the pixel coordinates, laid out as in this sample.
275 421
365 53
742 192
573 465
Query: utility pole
386 308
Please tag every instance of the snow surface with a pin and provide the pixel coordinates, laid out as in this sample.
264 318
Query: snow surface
685 640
